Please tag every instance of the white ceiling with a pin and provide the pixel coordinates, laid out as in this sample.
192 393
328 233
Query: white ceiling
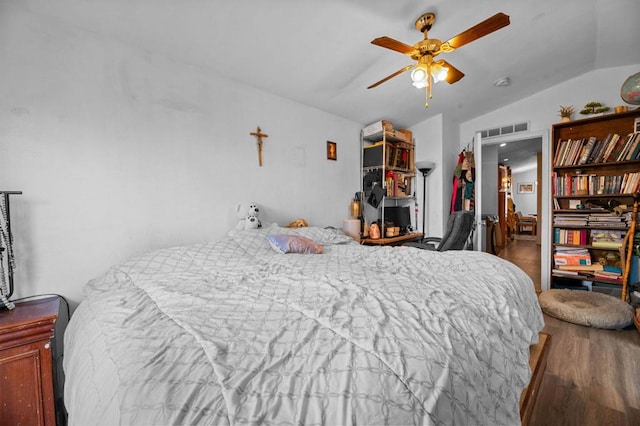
520 155
319 52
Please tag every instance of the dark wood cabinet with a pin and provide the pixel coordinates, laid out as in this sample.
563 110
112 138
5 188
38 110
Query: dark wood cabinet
26 374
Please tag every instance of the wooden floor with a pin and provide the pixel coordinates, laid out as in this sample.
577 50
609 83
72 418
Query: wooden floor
593 375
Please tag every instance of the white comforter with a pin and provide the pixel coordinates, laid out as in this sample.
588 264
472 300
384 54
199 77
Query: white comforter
234 333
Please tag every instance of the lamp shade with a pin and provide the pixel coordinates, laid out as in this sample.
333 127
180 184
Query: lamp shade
419 76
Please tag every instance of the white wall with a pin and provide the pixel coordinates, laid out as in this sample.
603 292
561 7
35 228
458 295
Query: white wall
428 137
450 151
119 151
525 203
541 109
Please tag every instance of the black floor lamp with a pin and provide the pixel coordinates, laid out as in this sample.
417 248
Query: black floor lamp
425 167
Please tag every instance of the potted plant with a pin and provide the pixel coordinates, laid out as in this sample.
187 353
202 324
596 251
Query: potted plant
566 112
594 108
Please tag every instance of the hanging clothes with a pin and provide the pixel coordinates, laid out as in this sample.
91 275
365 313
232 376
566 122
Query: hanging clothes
463 194
469 179
456 194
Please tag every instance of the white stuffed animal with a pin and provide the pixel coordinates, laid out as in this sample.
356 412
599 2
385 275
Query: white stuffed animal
251 222
248 215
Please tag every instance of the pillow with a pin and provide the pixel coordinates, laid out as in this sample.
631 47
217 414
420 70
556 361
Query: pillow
324 236
294 244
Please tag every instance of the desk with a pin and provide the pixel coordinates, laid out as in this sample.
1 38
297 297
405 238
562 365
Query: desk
393 241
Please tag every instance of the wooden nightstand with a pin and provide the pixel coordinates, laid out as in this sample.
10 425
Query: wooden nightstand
393 241
26 374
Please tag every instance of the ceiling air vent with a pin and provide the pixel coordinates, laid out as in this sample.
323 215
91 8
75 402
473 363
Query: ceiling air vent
504 130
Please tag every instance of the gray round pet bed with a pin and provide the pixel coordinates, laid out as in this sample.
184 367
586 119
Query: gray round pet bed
587 308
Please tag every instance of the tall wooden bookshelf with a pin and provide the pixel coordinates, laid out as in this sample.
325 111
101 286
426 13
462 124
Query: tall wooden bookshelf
596 172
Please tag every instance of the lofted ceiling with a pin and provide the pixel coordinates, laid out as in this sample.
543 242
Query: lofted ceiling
319 53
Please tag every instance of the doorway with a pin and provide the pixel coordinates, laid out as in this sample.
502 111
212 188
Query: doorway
527 156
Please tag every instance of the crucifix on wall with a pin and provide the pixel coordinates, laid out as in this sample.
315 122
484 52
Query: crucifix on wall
258 134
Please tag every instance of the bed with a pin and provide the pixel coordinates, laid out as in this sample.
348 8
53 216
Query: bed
236 332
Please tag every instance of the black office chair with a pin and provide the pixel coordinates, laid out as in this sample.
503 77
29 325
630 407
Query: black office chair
457 237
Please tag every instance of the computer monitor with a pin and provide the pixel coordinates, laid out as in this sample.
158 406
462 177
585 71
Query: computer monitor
400 216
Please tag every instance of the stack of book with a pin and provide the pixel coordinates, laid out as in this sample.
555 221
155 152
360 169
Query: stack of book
567 256
607 238
573 262
606 220
610 273
578 270
570 219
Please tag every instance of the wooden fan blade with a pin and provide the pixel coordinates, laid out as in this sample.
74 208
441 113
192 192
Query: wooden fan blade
392 44
389 77
454 74
497 21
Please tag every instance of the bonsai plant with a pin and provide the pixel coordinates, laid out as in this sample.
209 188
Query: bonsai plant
566 112
594 108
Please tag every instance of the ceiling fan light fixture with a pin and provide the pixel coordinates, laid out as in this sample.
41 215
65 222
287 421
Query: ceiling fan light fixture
419 76
439 72
427 71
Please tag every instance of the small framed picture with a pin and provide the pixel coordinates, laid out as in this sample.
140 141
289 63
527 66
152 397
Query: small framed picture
526 188
332 151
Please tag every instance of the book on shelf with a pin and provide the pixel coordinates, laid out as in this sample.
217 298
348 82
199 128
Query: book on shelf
591 150
576 237
608 275
625 151
574 250
634 150
612 269
565 273
560 147
607 244
569 152
605 217
586 150
581 268
594 152
617 143
630 185
569 219
571 149
592 184
607 238
606 220
571 259
608 145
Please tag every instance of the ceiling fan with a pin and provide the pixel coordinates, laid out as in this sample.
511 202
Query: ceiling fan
424 51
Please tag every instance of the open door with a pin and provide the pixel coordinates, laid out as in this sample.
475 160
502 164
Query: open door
480 225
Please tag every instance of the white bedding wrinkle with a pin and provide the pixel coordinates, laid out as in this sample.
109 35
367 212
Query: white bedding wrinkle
233 333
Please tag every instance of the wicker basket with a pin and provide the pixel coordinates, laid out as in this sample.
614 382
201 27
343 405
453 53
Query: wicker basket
636 319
